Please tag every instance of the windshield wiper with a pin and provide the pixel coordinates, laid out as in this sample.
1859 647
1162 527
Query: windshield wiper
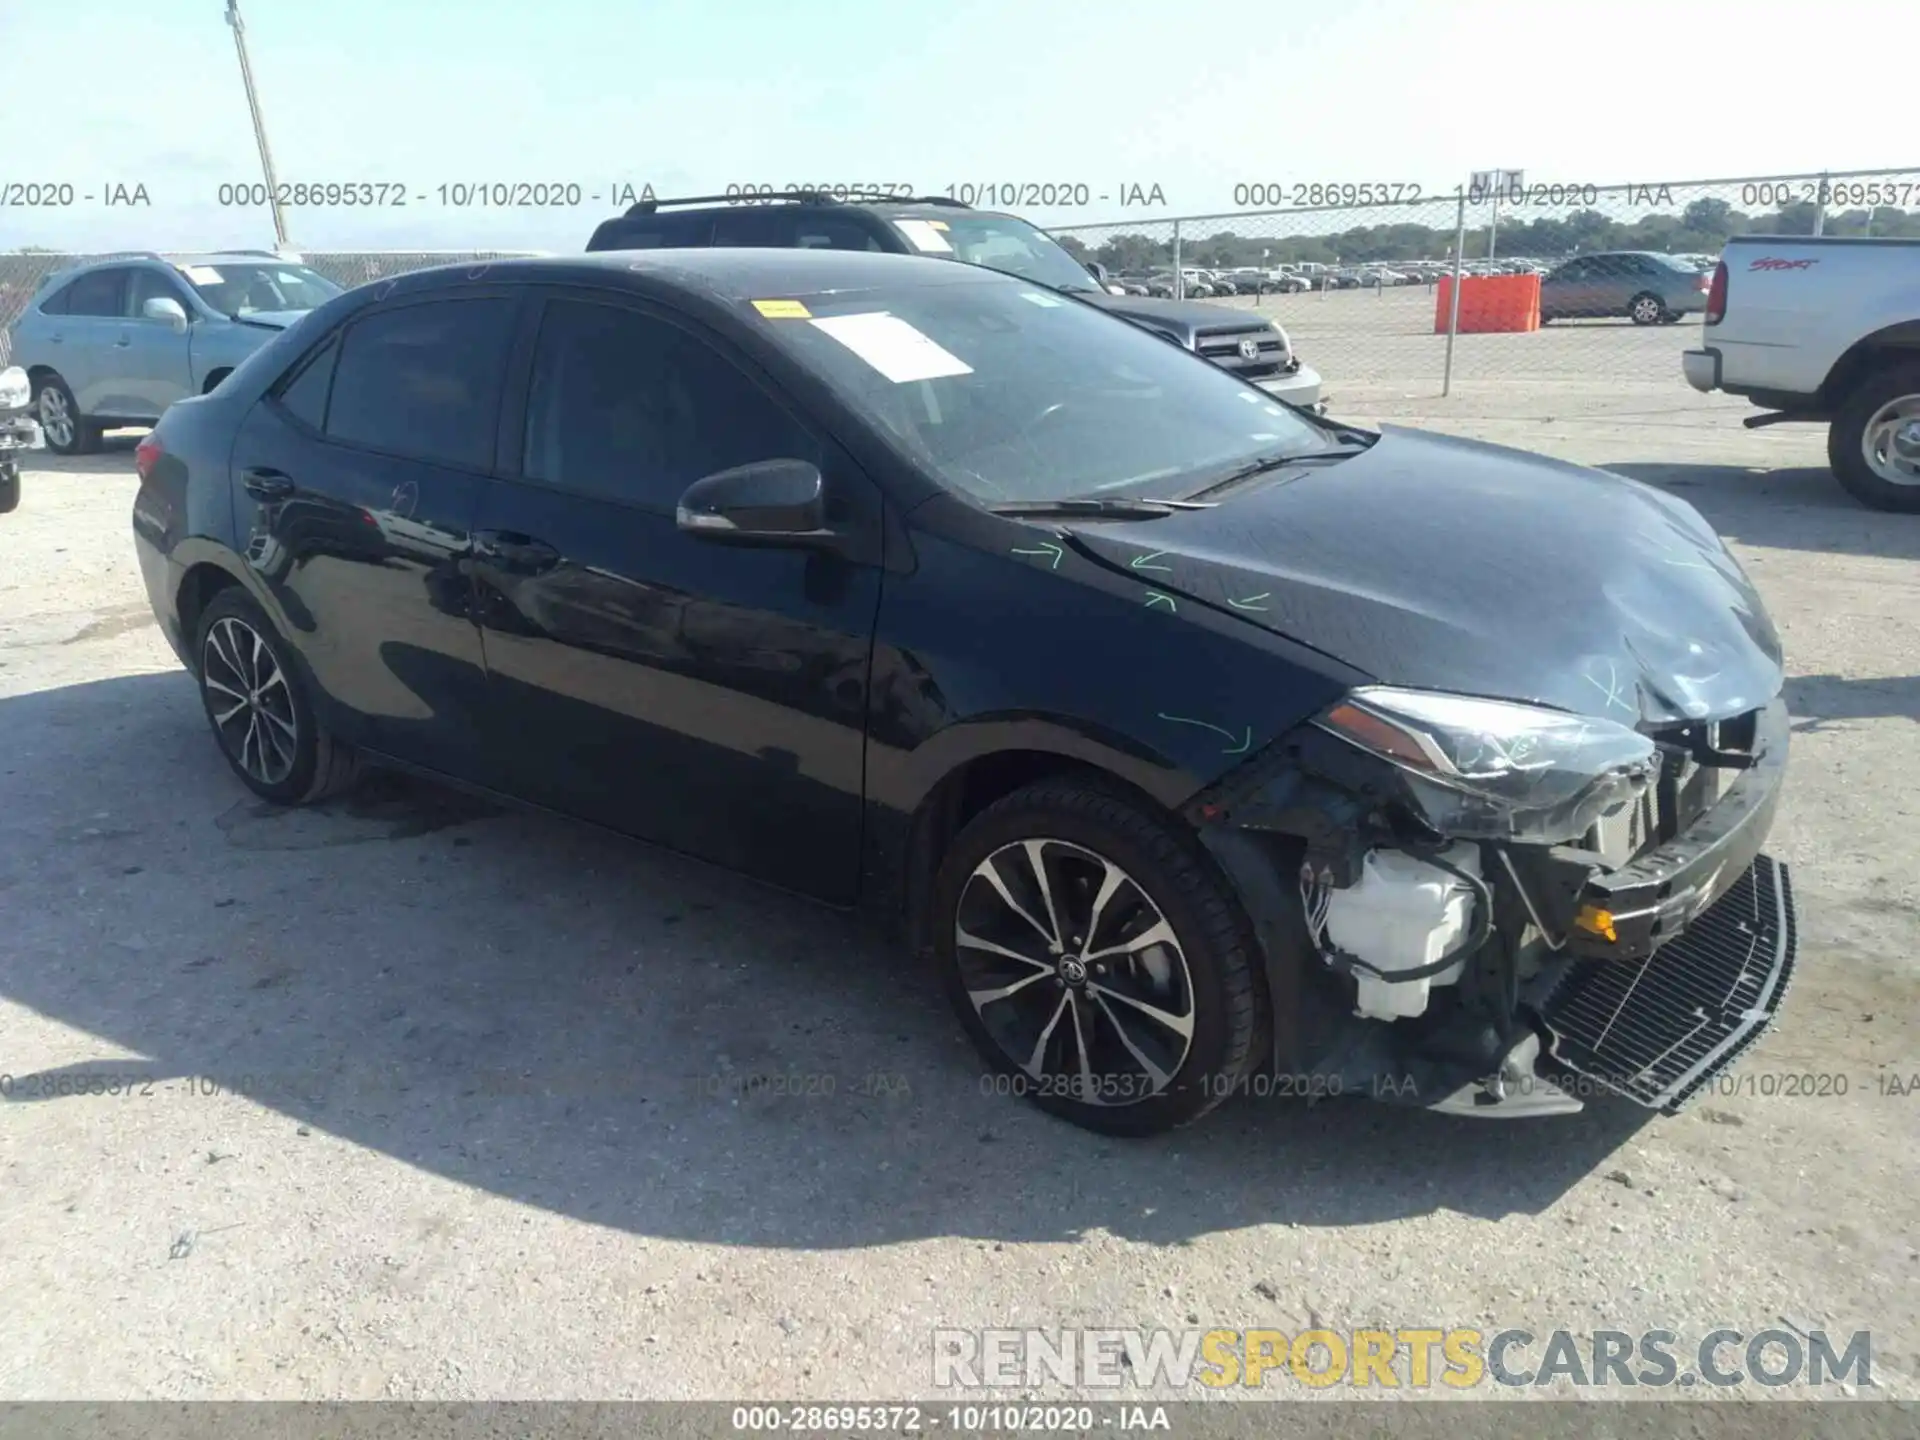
1107 507
1266 463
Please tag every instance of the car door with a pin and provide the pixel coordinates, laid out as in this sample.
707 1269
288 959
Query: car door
356 480
699 695
1563 294
158 367
83 337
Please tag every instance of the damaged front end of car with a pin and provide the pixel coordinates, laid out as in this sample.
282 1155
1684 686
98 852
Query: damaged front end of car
1496 909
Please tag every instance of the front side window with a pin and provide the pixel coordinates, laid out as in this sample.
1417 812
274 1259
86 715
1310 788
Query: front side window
423 380
1010 392
998 242
628 407
152 285
242 288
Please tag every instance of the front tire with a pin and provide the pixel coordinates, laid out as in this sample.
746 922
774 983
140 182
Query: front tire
9 487
258 707
67 431
1873 443
1097 958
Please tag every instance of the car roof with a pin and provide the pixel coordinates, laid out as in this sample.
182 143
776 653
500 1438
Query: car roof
740 273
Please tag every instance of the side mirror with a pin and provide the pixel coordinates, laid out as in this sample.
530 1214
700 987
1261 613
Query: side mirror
1097 270
165 307
771 502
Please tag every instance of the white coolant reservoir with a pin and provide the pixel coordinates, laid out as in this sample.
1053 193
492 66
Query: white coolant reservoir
1403 913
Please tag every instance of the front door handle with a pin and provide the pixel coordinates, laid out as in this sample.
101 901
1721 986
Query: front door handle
265 484
515 551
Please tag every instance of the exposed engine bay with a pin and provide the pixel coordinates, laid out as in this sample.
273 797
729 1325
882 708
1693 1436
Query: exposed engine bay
1477 920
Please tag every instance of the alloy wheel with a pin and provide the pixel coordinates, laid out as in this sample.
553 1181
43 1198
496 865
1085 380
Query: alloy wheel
1891 441
1075 972
1646 310
56 418
249 700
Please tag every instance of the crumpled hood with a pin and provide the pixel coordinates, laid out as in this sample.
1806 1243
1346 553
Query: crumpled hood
1449 564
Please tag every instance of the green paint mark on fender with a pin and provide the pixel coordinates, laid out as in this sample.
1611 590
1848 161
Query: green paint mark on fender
1047 548
1154 597
1245 742
1251 602
1140 562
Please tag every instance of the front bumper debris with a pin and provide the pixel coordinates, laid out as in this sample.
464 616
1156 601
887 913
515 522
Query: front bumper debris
1657 1030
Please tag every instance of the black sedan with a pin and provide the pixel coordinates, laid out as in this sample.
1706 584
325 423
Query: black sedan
1204 746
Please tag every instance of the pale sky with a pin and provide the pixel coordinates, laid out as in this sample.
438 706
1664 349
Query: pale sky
691 95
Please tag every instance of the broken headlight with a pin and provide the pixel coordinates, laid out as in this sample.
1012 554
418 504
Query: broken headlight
1496 770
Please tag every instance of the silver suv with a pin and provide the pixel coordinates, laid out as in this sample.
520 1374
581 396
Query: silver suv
114 342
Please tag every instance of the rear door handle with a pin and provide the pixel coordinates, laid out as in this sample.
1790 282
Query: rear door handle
515 551
265 484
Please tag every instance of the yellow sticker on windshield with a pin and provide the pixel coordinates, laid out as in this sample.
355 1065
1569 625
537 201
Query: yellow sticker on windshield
783 309
939 224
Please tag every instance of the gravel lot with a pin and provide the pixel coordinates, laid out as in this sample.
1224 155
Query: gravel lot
437 1101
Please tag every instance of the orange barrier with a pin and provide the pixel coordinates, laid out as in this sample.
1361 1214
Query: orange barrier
1489 303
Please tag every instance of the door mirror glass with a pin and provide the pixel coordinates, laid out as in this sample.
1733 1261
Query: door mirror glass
770 502
165 307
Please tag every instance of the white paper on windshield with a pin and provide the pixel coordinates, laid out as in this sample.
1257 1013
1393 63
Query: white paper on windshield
1035 297
201 274
923 236
893 347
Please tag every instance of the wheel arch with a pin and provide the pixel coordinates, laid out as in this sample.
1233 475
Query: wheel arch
214 378
199 583
975 782
1891 344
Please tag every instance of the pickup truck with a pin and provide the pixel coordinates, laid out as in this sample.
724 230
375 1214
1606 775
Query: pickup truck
1825 330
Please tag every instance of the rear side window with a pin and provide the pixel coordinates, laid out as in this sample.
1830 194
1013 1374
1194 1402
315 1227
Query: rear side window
423 381
833 232
100 292
654 232
304 394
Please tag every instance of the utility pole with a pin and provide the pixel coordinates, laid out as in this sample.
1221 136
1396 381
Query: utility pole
259 126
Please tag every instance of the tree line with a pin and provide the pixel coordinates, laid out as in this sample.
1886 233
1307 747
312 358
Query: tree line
1702 228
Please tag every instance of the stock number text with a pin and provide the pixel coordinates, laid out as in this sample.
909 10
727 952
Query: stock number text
1830 192
457 194
751 192
1260 193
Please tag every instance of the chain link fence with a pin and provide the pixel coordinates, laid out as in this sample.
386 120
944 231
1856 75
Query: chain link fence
23 271
1359 278
1362 283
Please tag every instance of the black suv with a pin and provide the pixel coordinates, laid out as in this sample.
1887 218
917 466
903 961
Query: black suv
1250 346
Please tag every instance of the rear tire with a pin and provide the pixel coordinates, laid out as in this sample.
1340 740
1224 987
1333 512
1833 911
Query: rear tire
67 431
1647 308
9 487
257 704
1875 437
1079 1001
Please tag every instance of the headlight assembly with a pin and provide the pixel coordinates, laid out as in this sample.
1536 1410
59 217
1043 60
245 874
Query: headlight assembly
1496 770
